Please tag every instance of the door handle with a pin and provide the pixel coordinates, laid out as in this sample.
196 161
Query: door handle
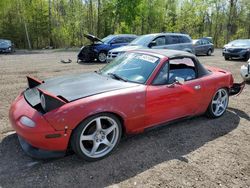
197 87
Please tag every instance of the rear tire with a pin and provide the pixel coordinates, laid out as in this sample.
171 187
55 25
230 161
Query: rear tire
218 104
96 137
209 52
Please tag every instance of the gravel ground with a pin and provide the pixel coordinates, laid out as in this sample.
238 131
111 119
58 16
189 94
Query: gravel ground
199 152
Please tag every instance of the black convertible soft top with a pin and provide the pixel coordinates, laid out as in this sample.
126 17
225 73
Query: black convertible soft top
172 54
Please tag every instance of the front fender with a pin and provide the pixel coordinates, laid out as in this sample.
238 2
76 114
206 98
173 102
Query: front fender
128 104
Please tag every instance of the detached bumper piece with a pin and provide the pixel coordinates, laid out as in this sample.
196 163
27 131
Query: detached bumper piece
236 89
37 153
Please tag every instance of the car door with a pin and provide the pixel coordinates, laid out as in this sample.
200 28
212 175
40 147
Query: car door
166 100
202 47
206 46
199 47
172 42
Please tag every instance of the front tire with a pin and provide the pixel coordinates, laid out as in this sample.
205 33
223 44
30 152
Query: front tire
96 137
247 56
102 57
226 57
219 103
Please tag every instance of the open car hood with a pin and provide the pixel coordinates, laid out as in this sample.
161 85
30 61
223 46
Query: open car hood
92 38
73 87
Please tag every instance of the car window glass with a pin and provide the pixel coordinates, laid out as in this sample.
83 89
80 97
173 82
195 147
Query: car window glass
160 41
134 67
172 39
162 76
184 39
205 42
118 40
184 68
128 39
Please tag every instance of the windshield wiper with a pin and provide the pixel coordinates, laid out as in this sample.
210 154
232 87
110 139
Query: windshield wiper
117 77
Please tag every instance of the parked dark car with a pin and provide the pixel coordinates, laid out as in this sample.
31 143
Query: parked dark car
6 46
174 41
99 48
239 49
203 46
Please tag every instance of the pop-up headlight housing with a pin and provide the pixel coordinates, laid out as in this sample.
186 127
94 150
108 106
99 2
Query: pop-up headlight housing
50 102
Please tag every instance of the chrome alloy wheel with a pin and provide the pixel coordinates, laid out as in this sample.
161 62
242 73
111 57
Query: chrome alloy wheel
99 137
219 102
102 57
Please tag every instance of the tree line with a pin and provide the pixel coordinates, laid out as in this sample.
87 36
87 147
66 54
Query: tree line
63 23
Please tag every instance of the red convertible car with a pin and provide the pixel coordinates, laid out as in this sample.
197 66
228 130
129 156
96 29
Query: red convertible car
138 90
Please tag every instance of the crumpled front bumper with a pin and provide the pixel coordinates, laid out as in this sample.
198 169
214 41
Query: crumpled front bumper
38 153
87 54
41 141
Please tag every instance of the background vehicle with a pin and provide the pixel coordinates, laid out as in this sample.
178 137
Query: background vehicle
6 46
239 49
175 41
209 39
99 48
245 71
137 91
203 46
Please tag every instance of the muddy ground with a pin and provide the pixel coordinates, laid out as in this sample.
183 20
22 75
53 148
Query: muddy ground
199 152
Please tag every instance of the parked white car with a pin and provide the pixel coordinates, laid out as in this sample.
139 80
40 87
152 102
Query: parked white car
245 71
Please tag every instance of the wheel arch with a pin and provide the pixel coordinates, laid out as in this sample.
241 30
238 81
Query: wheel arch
120 118
103 50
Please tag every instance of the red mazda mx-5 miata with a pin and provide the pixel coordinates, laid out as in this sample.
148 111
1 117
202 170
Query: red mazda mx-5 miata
140 89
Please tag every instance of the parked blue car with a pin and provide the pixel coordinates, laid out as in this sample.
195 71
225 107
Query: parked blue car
98 50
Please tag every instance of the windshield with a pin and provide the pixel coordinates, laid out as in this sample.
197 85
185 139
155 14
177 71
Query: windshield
143 40
240 43
5 43
133 67
107 39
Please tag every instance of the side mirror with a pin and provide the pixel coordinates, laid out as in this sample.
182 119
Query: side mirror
179 80
151 44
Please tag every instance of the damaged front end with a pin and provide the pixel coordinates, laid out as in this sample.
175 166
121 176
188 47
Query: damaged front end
89 53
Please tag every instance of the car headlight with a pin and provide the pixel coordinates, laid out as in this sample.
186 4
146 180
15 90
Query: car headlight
50 102
43 102
27 122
